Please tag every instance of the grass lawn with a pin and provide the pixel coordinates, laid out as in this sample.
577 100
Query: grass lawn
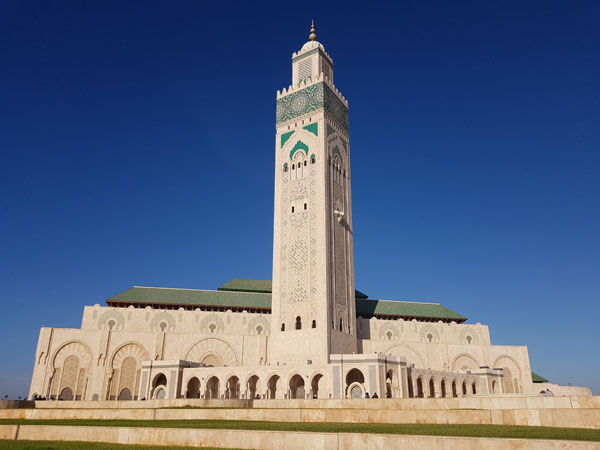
70 445
497 431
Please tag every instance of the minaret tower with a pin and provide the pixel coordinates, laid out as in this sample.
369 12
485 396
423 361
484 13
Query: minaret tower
313 312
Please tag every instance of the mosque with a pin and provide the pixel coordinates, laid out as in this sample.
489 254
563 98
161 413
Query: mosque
306 334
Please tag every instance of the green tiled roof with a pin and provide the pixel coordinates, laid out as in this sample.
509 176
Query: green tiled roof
405 309
256 294
537 378
245 285
138 294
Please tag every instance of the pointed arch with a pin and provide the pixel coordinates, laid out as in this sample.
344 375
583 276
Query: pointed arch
222 352
128 349
411 355
74 347
464 361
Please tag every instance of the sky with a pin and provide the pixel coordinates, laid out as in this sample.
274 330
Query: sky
137 148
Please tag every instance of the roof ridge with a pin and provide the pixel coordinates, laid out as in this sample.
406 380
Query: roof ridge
399 301
199 290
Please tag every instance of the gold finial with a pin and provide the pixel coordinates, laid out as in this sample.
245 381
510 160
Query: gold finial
312 36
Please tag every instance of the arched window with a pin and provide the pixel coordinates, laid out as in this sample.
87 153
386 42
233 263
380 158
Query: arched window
389 335
341 325
430 337
212 327
312 159
163 326
469 339
285 167
298 323
283 327
293 166
304 163
314 324
111 324
292 209
259 330
305 206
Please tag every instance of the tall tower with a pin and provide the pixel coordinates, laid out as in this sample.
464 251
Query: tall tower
313 312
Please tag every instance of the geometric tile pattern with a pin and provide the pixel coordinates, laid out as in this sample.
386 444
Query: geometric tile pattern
309 99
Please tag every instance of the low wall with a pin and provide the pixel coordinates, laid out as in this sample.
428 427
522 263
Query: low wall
276 440
13 404
558 417
145 404
472 402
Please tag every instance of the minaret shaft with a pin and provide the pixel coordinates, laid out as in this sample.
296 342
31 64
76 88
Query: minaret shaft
313 313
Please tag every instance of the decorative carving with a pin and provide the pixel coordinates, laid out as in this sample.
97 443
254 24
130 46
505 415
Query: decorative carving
428 333
312 98
111 320
215 351
212 323
162 321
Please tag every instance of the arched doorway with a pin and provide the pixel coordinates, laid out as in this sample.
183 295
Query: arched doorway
474 387
389 381
272 386
444 388
356 391
66 394
125 394
314 384
212 388
159 386
454 389
464 388
252 387
232 388
494 387
420 390
193 388
431 388
354 376
509 387
297 387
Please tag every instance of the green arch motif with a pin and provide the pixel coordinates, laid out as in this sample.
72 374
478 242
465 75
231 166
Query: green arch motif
299 146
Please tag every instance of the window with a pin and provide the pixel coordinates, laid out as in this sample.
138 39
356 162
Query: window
298 323
259 330
163 326
305 206
430 337
292 209
304 163
389 335
293 166
283 327
314 324
111 324
469 339
212 327
285 167
341 325
312 159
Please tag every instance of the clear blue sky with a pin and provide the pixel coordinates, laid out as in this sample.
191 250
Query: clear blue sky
137 148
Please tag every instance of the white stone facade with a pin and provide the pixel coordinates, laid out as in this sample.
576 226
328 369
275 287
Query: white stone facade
309 343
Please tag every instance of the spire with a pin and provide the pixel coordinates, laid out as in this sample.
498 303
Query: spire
312 36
